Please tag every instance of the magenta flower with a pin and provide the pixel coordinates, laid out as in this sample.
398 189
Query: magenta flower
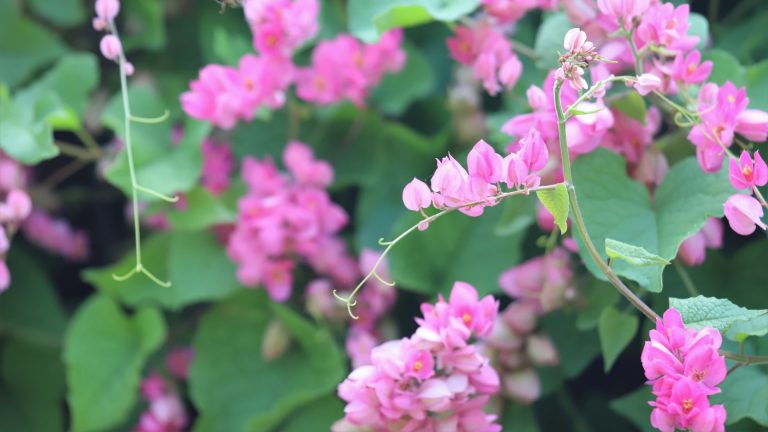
746 172
693 250
689 69
621 12
743 213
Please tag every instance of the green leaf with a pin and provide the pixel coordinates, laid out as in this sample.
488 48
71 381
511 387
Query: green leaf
549 40
734 322
725 67
160 166
757 85
33 380
599 296
178 257
64 13
25 46
745 395
454 247
632 254
317 415
634 406
396 91
104 354
579 347
699 26
70 81
518 418
30 309
556 201
143 25
25 134
234 388
616 331
368 19
633 105
516 217
619 208
203 209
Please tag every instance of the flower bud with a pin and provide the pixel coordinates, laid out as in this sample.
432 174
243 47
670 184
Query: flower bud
647 83
107 10
753 124
541 350
111 48
276 340
523 385
19 205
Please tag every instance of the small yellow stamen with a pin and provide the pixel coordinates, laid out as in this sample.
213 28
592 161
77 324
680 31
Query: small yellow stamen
466 318
417 365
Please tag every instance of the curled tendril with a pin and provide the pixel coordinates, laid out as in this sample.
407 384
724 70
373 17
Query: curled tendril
150 120
381 279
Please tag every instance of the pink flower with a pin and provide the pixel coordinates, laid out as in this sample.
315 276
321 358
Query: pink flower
693 249
218 165
483 162
178 361
667 26
17 207
110 47
55 235
533 151
416 195
647 83
5 276
622 11
753 124
746 173
743 213
541 350
576 40
477 315
688 70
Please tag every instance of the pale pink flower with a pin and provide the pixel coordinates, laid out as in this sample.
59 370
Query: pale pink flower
753 124
743 213
483 162
622 12
693 249
647 83
524 386
416 195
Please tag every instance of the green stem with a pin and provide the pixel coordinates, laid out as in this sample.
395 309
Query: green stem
687 281
578 219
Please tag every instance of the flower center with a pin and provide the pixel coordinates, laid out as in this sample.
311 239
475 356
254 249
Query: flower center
687 405
249 84
691 68
417 365
699 375
747 171
731 99
466 318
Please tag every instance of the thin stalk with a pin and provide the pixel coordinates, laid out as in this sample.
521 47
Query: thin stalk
578 219
687 281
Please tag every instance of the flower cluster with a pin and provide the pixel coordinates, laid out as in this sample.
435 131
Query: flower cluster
471 190
279 27
434 380
283 217
345 68
489 53
110 45
579 54
685 367
342 68
218 164
723 111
